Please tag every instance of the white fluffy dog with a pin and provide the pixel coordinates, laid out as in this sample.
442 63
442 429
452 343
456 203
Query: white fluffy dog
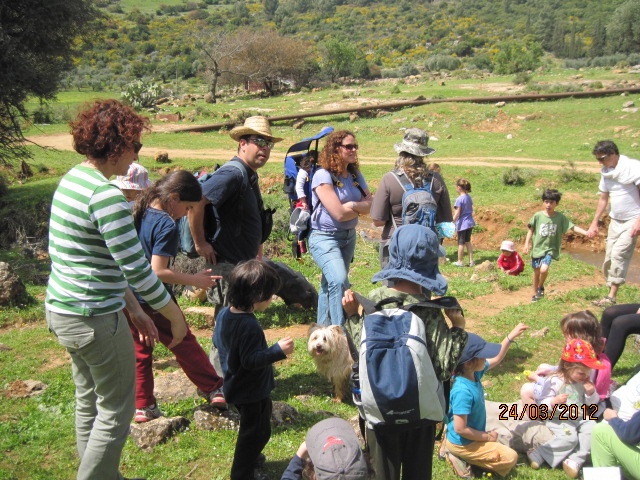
330 351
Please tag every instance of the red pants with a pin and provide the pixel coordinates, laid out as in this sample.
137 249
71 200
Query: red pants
189 354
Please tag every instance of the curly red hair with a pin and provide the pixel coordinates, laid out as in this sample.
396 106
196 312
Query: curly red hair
330 159
104 130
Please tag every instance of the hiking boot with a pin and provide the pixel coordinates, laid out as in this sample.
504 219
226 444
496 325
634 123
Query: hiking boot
215 398
148 413
540 292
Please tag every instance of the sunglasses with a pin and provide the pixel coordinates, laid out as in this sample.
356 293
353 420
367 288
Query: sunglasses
350 146
261 142
137 146
600 159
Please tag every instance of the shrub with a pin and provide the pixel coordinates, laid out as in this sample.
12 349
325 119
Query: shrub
514 177
521 78
408 69
395 89
140 94
569 173
435 63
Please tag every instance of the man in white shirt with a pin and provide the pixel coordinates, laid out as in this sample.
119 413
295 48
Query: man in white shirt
620 183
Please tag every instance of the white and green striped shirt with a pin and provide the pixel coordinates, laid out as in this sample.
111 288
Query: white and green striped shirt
94 248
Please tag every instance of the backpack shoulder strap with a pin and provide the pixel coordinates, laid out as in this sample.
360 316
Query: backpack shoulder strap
402 179
245 178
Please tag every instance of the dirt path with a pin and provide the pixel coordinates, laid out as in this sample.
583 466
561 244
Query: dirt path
63 141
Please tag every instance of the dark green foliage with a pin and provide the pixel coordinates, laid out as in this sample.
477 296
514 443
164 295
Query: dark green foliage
37 38
442 62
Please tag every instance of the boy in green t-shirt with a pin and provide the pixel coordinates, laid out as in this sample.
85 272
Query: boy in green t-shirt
546 228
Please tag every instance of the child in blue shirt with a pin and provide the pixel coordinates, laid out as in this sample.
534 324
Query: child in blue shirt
247 361
467 439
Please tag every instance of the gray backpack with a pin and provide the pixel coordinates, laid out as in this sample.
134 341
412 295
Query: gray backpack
418 204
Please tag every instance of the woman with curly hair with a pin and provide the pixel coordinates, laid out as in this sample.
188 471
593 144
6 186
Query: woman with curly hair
340 195
95 256
386 209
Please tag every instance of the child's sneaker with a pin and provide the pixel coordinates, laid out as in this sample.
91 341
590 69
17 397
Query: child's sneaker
458 264
534 299
540 292
148 413
571 468
215 398
472 264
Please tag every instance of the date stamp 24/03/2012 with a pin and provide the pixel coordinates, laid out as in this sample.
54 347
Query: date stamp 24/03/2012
543 412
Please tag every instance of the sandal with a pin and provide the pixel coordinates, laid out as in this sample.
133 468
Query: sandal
604 302
460 467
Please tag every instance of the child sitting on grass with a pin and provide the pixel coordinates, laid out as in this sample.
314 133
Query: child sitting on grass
467 440
570 385
509 260
546 229
247 362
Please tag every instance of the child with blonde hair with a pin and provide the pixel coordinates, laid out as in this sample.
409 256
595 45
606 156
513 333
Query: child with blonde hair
568 398
583 325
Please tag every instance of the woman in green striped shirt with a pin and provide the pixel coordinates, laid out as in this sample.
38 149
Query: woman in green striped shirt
95 256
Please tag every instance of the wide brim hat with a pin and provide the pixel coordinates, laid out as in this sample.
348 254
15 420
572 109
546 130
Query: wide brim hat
257 125
137 178
581 351
415 142
508 245
335 451
413 255
477 347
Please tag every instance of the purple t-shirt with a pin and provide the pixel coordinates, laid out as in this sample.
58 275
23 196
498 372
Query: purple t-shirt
465 220
348 192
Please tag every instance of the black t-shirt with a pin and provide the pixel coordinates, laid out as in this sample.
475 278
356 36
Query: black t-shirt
241 225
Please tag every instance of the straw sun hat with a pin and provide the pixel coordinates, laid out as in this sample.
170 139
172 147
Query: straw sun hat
257 125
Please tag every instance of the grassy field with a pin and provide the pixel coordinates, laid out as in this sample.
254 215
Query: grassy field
36 434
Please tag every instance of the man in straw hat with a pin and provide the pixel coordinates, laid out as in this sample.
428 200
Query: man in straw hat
235 195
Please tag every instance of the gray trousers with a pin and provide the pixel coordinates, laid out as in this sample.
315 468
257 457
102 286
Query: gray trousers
572 440
103 366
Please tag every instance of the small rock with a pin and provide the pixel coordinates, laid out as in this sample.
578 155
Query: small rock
162 157
210 418
629 104
353 117
149 434
298 124
500 104
485 266
283 414
25 388
12 290
5 348
539 333
509 136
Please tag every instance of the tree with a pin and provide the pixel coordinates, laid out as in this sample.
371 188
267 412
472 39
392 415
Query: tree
338 57
37 39
514 56
623 30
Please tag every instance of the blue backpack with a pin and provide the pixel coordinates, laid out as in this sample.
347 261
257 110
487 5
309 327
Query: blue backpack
418 204
211 217
398 388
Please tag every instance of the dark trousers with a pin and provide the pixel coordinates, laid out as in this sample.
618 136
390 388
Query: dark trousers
618 322
255 431
410 452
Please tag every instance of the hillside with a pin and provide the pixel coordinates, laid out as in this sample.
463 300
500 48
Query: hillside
158 40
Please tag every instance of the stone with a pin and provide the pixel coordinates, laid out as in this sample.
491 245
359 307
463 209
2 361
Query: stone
174 386
208 312
210 418
149 434
169 117
162 157
539 333
485 266
353 117
208 98
5 348
500 104
629 104
12 290
25 388
283 414
298 124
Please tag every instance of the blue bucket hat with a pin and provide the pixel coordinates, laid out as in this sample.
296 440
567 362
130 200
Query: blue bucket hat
413 256
477 347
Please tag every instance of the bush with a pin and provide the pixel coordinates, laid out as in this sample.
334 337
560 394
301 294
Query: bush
569 173
436 63
408 69
513 177
521 78
140 94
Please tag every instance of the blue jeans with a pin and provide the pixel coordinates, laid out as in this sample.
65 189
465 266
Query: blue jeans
332 252
103 365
